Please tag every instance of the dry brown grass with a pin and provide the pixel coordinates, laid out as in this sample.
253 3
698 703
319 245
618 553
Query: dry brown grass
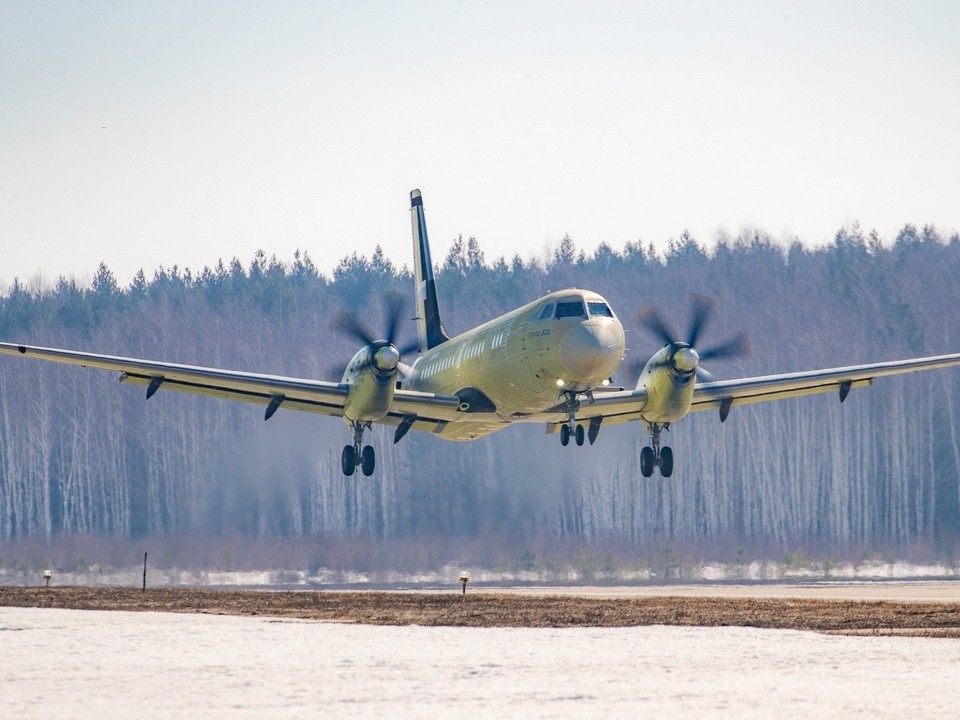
489 609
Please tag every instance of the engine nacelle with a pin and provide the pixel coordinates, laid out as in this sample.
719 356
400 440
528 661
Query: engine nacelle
668 379
372 379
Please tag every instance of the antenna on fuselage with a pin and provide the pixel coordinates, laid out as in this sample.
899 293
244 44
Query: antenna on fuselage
429 326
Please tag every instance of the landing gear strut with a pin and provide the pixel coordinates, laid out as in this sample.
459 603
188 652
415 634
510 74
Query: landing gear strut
656 456
358 454
571 406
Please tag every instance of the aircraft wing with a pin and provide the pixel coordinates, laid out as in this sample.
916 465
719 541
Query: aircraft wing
724 394
627 405
326 398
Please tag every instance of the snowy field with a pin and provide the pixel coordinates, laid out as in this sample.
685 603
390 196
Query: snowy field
74 663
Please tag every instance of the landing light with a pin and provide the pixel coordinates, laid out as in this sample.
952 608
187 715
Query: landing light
561 382
605 382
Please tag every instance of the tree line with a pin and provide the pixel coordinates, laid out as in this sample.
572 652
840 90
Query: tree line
81 454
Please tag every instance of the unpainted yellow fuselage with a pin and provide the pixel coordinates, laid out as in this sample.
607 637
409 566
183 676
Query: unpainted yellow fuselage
520 363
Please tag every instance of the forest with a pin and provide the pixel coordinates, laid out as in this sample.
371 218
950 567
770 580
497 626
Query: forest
82 455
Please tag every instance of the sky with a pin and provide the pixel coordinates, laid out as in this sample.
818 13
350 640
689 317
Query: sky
145 134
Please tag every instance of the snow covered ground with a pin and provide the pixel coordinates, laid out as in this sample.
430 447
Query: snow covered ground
73 663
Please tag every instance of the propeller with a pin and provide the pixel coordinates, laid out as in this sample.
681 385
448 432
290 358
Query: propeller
685 355
385 355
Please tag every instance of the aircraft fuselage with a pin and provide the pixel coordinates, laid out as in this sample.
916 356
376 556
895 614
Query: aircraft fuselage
522 362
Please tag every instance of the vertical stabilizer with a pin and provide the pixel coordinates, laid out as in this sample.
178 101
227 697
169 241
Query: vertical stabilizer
429 327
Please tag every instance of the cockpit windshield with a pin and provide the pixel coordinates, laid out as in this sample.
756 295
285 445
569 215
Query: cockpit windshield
573 308
545 312
600 309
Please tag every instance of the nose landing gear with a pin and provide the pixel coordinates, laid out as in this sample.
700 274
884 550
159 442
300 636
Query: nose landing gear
566 432
358 454
572 405
656 456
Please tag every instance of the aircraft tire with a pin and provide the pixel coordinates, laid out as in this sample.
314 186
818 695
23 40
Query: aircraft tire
579 435
348 460
564 435
666 462
368 460
646 461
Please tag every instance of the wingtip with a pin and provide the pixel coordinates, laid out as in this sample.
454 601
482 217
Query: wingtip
415 198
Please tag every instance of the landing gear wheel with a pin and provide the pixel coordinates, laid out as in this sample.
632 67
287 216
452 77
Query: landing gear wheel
666 462
368 460
564 435
579 434
348 460
646 461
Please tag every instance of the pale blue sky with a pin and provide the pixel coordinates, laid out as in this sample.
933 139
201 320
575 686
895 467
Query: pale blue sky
167 133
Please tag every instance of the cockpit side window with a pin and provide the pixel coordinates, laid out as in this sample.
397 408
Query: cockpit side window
571 309
600 309
545 312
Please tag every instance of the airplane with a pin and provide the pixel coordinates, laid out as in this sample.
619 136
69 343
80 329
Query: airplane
549 361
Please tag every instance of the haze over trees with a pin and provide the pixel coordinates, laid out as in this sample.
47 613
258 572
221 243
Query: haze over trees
81 454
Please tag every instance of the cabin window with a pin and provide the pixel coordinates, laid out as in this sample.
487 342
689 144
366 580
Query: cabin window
570 309
545 312
599 309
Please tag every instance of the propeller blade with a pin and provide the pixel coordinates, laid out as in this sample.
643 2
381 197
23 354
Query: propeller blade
650 318
410 347
393 305
735 347
700 312
405 370
699 315
704 375
348 323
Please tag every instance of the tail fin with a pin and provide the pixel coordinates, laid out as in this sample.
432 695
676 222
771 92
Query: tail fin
429 327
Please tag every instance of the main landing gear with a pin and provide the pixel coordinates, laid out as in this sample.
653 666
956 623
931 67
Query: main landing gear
656 456
358 454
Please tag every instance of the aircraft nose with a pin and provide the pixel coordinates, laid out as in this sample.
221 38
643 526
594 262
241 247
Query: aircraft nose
592 349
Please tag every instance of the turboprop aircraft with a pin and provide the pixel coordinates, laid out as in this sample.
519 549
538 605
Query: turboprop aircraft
547 362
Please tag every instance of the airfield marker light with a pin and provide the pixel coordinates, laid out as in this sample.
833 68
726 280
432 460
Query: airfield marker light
561 382
46 576
464 579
